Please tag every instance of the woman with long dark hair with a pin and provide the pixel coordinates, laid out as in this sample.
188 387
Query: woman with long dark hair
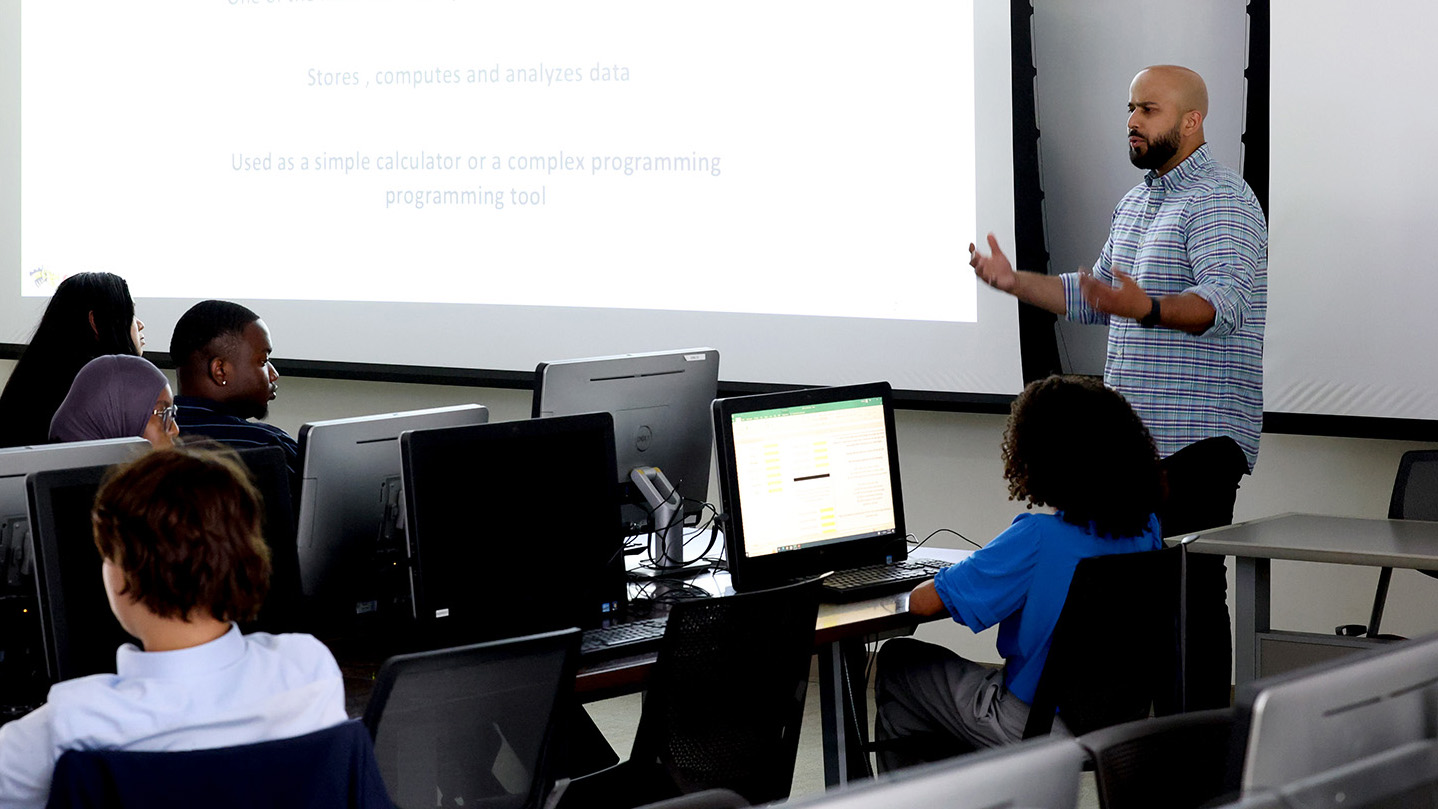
91 314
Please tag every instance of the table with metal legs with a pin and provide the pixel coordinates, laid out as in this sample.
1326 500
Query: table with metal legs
1305 538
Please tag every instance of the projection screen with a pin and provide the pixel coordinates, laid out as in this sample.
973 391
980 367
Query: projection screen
489 185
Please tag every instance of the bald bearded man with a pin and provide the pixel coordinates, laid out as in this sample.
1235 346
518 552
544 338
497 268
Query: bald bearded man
1182 284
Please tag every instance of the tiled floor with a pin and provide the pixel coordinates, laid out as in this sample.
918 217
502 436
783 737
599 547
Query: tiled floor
618 717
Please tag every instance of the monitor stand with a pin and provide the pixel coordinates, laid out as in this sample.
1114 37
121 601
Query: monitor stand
666 539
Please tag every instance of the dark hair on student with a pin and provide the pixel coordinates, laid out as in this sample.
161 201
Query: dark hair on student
203 324
89 315
1078 446
184 527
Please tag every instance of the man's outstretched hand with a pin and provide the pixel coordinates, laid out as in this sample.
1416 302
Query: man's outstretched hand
1125 300
993 269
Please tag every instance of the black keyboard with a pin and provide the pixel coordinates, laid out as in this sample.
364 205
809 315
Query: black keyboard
634 637
860 583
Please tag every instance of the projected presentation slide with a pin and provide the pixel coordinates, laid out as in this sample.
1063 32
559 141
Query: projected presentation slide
794 158
812 474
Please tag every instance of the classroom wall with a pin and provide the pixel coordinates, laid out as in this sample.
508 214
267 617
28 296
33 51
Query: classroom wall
952 479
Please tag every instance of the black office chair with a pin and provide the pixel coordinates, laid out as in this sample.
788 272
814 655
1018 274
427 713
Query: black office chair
1176 762
723 706
284 607
331 767
1415 497
1118 646
475 725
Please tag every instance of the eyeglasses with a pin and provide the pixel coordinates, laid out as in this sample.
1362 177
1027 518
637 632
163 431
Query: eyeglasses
167 415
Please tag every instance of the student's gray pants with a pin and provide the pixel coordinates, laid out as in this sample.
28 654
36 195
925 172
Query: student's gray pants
933 704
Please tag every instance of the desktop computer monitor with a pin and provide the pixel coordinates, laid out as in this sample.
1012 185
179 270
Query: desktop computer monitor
351 525
1036 774
660 404
78 631
21 651
1313 720
810 481
15 464
513 527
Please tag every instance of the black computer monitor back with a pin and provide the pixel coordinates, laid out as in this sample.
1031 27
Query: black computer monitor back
22 656
79 631
351 521
514 527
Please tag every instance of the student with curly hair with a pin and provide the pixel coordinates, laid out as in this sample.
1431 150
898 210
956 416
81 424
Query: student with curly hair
1070 444
179 532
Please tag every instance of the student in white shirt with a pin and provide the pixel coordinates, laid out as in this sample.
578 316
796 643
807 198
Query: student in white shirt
179 531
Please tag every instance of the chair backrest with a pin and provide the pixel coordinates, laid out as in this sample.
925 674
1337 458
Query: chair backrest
283 610
1176 762
474 725
1415 490
726 697
1116 647
331 767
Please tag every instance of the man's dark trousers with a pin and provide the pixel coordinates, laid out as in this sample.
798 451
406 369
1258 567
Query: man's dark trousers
1202 480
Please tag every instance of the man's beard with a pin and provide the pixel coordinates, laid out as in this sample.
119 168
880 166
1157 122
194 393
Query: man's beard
246 409
1159 151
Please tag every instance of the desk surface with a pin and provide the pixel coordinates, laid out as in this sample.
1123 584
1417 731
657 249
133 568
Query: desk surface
882 616
1317 538
876 616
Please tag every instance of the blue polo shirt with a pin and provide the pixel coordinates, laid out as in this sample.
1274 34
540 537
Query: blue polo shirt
1020 581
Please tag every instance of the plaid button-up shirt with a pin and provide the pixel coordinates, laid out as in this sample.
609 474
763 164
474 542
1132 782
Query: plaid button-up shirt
1196 229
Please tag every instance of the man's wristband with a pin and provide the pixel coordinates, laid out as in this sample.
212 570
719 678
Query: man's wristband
1153 317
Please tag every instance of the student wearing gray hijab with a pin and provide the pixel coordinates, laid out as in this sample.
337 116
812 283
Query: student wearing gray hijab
117 396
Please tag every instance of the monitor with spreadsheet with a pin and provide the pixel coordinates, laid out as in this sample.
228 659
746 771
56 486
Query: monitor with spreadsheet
1036 774
351 525
1312 720
810 482
513 527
